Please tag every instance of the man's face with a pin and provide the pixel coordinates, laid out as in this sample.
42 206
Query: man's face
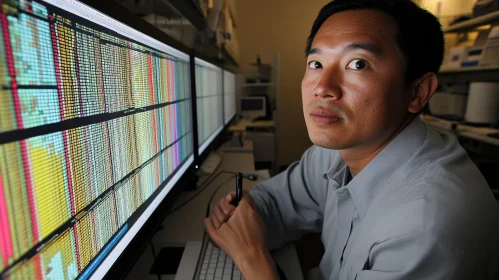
353 91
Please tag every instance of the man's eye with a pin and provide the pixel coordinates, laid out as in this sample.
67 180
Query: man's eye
314 64
357 64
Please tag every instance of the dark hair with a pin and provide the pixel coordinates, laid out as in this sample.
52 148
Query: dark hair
420 37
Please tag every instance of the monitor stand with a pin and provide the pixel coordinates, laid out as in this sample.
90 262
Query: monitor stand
210 165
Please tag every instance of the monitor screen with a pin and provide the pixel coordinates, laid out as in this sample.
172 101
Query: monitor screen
209 102
253 107
229 96
95 130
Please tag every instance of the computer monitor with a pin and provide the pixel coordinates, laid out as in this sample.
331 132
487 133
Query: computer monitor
209 102
95 132
253 107
230 107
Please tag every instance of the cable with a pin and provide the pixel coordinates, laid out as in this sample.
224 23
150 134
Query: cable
205 185
154 256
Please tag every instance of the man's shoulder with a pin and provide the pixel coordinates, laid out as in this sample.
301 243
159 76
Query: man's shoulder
440 191
458 210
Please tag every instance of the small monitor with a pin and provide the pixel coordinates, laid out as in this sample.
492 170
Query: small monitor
253 107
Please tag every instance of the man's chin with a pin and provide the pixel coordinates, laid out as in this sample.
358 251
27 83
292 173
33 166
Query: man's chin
328 142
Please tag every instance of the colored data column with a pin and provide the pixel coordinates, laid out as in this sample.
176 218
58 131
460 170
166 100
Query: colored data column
7 117
59 258
30 39
17 202
92 98
68 78
140 79
48 166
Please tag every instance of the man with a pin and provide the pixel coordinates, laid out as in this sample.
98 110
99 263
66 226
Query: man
393 198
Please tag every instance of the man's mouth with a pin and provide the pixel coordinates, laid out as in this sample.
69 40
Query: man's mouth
324 116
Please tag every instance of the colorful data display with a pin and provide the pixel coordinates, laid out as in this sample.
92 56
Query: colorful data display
92 126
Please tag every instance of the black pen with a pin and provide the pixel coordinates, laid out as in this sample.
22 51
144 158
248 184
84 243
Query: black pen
239 188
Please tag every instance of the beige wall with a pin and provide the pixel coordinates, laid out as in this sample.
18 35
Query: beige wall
267 27
448 7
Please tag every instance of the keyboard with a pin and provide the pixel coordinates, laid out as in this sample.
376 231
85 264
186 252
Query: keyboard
217 265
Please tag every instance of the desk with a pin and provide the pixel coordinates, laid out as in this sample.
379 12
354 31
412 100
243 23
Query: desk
243 125
187 224
176 228
264 135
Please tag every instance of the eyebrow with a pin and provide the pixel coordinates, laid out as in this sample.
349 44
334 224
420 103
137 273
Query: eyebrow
363 46
350 47
313 51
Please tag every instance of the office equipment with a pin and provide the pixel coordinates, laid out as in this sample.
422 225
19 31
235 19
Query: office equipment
450 102
490 54
209 165
483 7
215 264
253 107
95 137
472 56
483 103
262 134
230 107
209 102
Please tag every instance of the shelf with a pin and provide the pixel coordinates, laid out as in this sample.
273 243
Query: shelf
469 74
228 53
258 85
473 23
192 12
476 133
469 69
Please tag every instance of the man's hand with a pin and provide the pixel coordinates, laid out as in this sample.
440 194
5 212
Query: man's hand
240 233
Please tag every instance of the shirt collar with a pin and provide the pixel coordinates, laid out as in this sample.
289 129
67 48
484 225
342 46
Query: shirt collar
373 178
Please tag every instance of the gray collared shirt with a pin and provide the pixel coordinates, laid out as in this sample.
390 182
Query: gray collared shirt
419 210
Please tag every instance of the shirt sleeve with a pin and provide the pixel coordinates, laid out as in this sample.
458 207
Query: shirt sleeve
292 202
424 256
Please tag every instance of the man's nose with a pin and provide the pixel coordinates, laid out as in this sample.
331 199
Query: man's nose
328 86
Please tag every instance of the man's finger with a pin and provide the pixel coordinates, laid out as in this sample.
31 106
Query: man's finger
220 215
210 228
230 196
215 221
227 208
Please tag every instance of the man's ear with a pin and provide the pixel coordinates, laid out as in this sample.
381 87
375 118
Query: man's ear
423 90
